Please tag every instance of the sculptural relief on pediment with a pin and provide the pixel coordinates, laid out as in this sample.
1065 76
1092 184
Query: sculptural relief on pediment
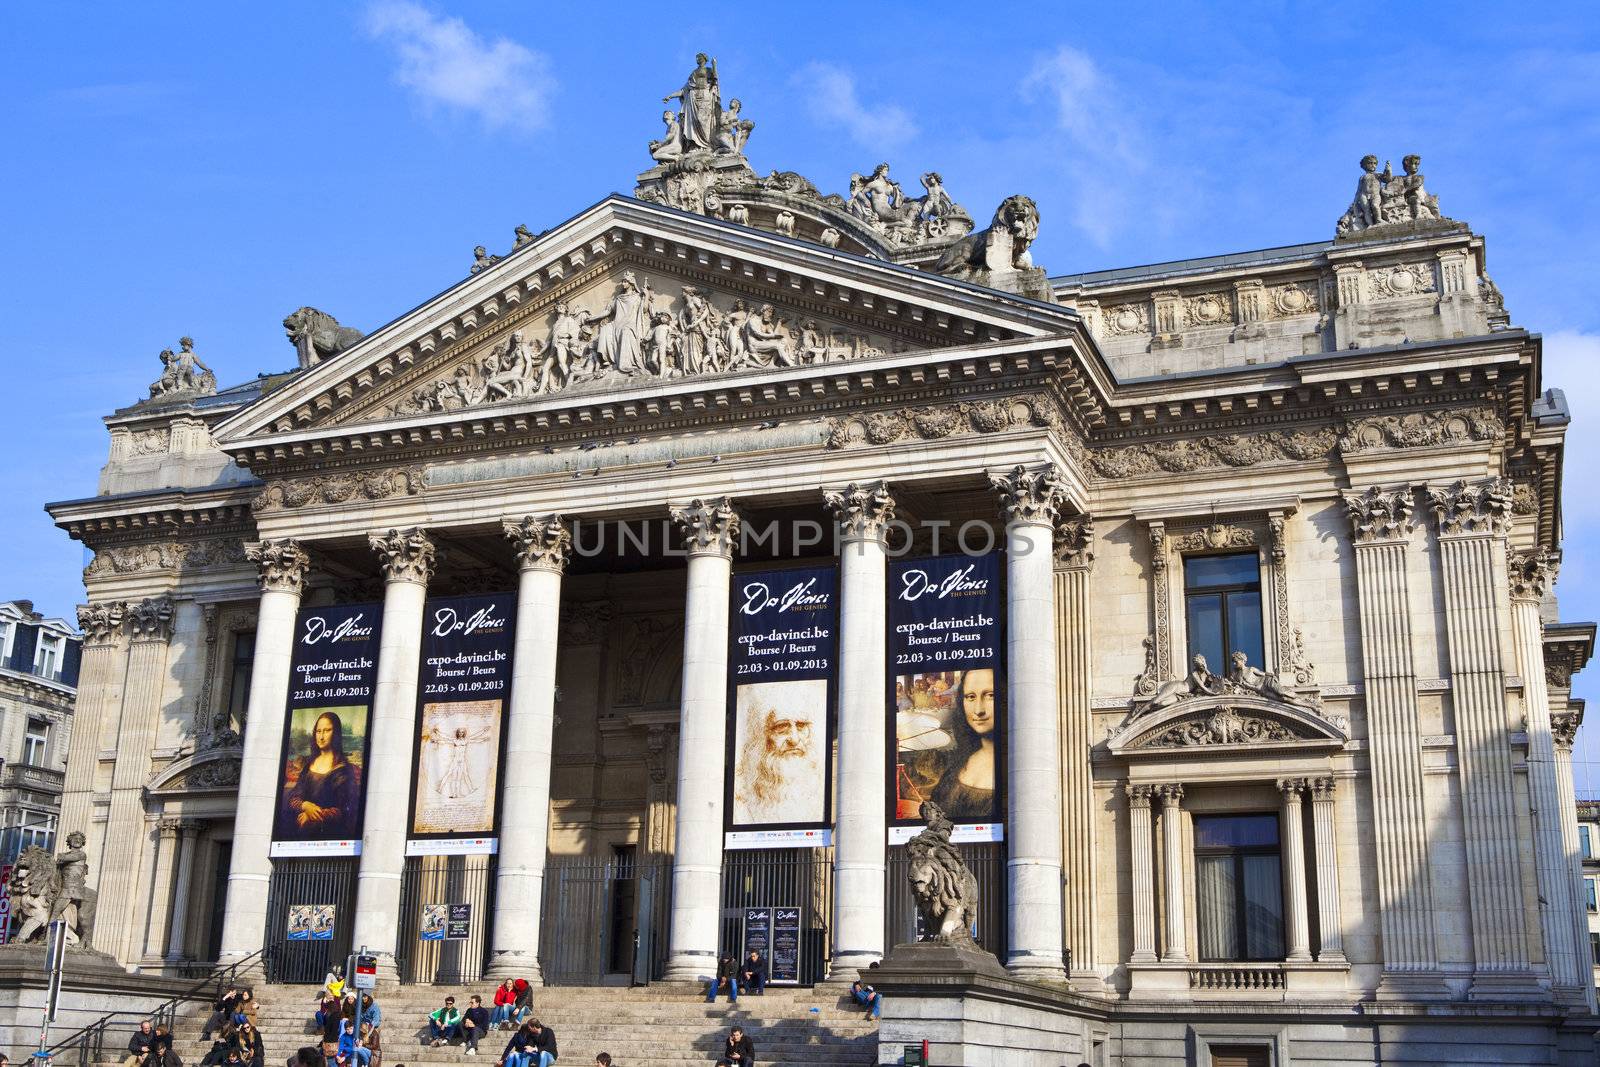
630 330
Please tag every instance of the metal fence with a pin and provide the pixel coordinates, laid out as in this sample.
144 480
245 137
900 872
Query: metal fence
313 881
987 860
459 892
605 921
775 878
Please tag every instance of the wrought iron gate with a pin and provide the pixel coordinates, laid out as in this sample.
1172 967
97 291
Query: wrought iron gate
781 878
445 881
313 881
987 861
605 920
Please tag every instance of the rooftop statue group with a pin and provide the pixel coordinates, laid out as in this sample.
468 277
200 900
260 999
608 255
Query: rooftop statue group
1242 680
701 124
44 888
182 373
1384 198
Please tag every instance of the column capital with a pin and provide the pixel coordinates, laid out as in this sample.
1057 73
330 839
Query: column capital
405 555
710 526
101 622
168 827
1379 515
1171 794
1157 533
1482 508
1532 573
1291 788
863 510
1074 542
542 544
1564 728
1030 498
283 564
150 619
1323 787
1139 795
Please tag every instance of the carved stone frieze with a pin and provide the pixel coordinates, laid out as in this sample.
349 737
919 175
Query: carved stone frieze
863 512
404 555
1122 320
1030 497
1215 536
1420 429
541 543
1210 452
101 622
1221 727
1074 542
1380 515
338 487
1402 279
1483 508
165 556
1532 573
150 619
1564 728
1208 309
585 622
936 422
283 564
150 442
1294 298
709 527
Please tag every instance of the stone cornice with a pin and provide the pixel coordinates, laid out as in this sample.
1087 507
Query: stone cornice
1567 649
144 517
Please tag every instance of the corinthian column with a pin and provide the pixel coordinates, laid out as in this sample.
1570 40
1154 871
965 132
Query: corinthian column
863 513
1030 503
710 528
1531 575
1473 521
1177 941
1297 912
105 662
543 547
283 573
1330 943
1074 555
1142 854
1564 729
1381 531
407 558
149 630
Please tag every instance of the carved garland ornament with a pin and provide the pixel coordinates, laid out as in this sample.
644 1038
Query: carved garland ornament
338 488
1465 509
1030 497
1222 727
863 512
709 527
136 559
283 564
937 422
1421 429
1212 451
541 544
1217 535
405 555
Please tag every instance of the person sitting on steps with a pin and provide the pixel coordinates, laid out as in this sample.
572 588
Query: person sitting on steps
329 1007
139 1044
739 1051
224 1012
220 1047
445 1024
505 1002
727 978
523 1009
370 1012
867 997
350 1050
475 1023
602 1059
753 974
533 1045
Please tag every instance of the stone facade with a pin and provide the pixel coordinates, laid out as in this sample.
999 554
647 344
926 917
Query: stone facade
1357 418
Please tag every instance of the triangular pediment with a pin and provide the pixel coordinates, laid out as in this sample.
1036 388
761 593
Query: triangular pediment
631 295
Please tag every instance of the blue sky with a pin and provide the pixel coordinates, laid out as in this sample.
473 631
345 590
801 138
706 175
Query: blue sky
207 168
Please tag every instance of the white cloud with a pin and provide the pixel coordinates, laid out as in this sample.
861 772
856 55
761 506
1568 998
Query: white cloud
835 102
447 65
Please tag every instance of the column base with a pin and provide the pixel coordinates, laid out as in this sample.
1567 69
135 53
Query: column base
1091 982
691 967
1501 986
1412 985
503 965
845 966
1040 967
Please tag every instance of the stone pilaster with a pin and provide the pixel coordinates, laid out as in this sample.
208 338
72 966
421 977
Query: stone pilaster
1175 947
1141 848
1030 503
863 514
1564 731
710 530
1531 574
543 546
161 896
100 678
1074 677
1472 524
182 887
407 560
149 626
1381 523
1296 910
284 565
1330 924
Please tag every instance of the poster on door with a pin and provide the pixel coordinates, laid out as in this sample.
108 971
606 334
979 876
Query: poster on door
333 672
783 634
463 688
946 695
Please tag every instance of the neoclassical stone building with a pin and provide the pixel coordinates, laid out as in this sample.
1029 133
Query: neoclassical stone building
1283 695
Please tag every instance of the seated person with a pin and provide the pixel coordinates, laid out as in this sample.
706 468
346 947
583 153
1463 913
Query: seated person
727 978
220 1047
334 982
370 1012
753 974
139 1044
371 1043
445 1024
867 997
533 1045
247 1039
523 1009
739 1051
505 1002
475 1023
350 1050
328 1007
245 1009
223 1012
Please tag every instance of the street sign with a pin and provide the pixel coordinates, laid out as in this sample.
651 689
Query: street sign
365 974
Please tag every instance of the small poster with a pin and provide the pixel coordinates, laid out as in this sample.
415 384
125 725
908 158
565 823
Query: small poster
434 920
757 933
459 925
446 922
311 922
784 968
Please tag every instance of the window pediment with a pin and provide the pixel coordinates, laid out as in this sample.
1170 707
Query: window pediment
1227 722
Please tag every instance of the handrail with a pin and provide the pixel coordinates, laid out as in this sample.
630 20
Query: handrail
90 1040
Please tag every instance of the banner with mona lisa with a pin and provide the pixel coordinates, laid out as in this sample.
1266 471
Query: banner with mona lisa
946 695
333 671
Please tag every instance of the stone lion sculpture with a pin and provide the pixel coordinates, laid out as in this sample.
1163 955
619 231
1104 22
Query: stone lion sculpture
1002 247
317 335
945 891
43 888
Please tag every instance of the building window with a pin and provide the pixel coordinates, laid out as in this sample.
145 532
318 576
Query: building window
1594 947
35 741
1588 892
1222 606
1585 835
49 661
1239 887
29 828
239 668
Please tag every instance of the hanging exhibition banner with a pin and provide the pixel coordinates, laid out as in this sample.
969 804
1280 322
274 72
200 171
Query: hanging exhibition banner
446 922
783 634
311 922
463 688
333 672
946 695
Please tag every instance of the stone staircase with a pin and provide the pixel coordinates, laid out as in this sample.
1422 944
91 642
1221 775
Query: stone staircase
654 1025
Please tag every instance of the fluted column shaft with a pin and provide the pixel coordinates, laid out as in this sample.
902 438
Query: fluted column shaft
543 546
100 678
711 528
1330 931
1565 728
1074 554
1141 847
407 560
1297 912
862 512
161 894
182 887
244 925
1531 575
1176 949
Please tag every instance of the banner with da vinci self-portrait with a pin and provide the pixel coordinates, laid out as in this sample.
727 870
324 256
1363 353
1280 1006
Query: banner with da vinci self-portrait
463 690
783 634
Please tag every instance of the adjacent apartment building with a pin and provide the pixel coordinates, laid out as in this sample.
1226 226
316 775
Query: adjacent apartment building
39 659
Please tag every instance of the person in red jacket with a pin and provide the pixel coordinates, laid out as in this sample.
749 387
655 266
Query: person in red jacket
505 1002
